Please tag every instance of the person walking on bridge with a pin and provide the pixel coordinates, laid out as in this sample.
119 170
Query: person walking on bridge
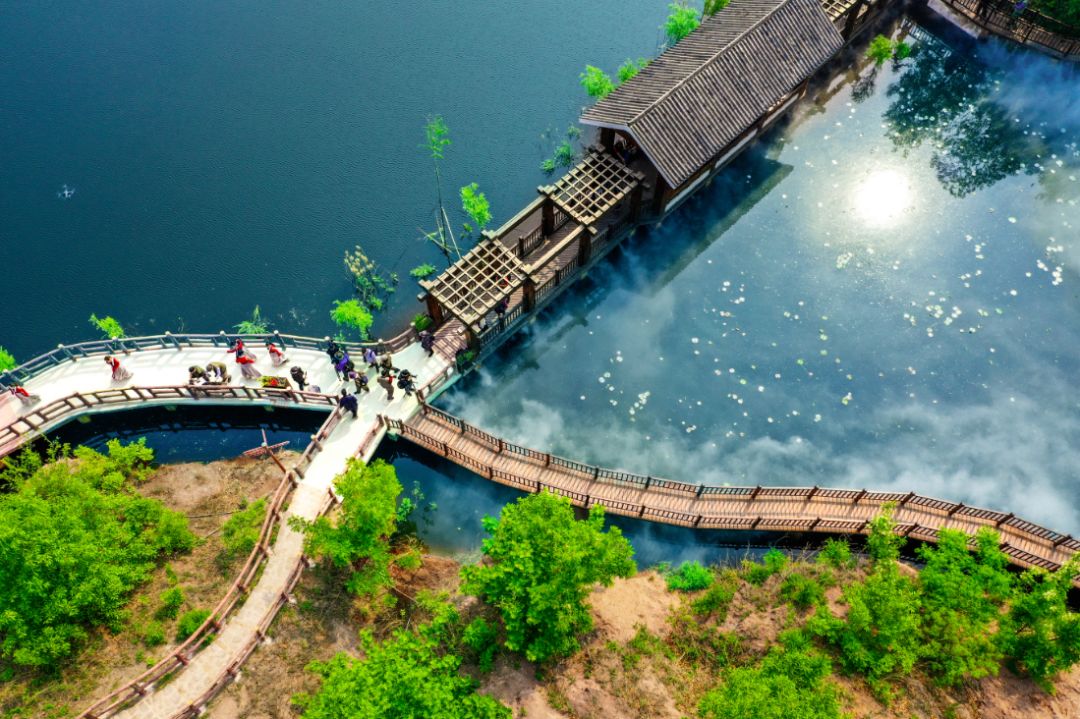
23 395
371 358
299 377
427 342
349 402
247 366
239 349
333 351
277 357
386 381
119 373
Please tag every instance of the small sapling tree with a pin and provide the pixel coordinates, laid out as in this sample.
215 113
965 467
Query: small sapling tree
476 206
351 315
254 326
596 82
108 326
682 20
7 360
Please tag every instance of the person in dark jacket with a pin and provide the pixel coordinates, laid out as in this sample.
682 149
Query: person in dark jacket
299 377
427 341
349 402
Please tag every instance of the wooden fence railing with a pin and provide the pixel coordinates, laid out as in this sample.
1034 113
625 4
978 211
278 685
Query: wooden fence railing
1027 28
36 421
126 345
935 509
181 655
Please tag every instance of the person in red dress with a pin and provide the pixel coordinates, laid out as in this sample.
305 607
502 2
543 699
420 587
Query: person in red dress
247 366
277 357
24 396
119 373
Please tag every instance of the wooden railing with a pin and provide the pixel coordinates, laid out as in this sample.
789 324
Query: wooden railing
1029 28
126 345
529 242
181 656
35 421
935 510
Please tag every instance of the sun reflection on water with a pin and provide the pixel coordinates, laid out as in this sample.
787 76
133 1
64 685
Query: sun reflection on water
883 198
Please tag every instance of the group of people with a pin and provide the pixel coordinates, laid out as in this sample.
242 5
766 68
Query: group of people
213 373
384 369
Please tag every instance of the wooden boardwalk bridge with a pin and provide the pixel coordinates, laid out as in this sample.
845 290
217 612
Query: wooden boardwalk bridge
760 508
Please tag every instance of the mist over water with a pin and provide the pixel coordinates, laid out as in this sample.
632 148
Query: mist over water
881 295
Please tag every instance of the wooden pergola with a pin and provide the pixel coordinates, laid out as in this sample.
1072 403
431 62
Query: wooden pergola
471 287
592 188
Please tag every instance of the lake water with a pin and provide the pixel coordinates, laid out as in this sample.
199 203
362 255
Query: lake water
881 294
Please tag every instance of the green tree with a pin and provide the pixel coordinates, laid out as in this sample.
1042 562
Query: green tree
713 6
596 82
108 326
7 360
880 636
350 314
359 537
254 326
1038 633
542 564
407 676
476 206
630 69
682 20
961 595
190 622
75 540
791 682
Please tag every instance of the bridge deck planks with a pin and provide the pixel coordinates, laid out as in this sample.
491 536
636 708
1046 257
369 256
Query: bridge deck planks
775 510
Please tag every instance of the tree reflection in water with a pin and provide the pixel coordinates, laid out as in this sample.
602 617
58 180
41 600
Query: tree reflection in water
946 100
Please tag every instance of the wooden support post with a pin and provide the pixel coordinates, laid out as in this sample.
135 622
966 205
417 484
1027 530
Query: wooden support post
648 481
907 498
860 495
697 521
500 446
585 245
700 489
596 473
434 308
956 509
911 529
754 494
547 217
641 512
1061 540
547 459
472 341
607 137
635 198
756 522
813 526
849 26
659 195
1004 519
813 492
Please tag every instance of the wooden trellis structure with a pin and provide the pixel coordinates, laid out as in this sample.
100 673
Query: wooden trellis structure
593 188
474 285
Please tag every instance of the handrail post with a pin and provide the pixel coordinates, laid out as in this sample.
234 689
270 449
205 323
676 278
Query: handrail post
66 351
169 336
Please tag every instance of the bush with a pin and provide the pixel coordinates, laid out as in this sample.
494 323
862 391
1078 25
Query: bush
255 326
421 322
682 20
108 326
240 533
7 360
802 591
714 6
689 577
772 562
421 271
75 541
190 622
791 681
152 634
836 553
596 82
476 205
631 68
482 638
882 48
171 601
718 597
350 314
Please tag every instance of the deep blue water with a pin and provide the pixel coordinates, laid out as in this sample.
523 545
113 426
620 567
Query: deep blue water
225 155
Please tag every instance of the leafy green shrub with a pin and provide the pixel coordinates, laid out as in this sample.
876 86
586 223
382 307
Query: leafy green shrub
596 82
701 642
836 553
75 540
542 565
108 326
476 205
421 321
254 326
350 314
689 577
1039 633
240 533
359 535
152 634
565 154
408 675
409 561
791 681
421 271
190 622
483 638
714 6
631 68
682 20
718 597
171 601
7 360
802 591
882 48
548 165
775 560
772 562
